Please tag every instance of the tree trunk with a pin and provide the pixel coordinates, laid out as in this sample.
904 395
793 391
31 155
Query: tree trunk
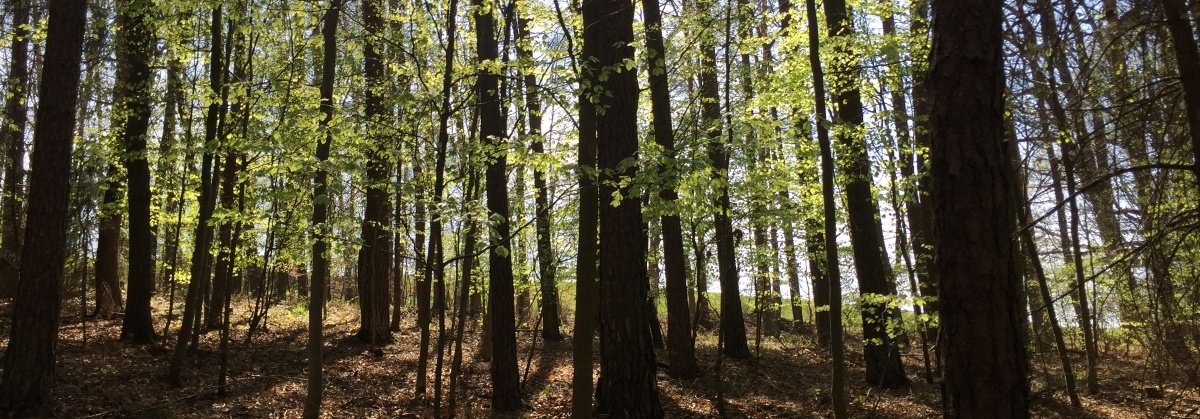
320 275
1187 59
980 289
203 234
108 248
12 136
28 378
586 269
373 257
733 327
833 278
881 349
506 396
680 346
626 387
547 263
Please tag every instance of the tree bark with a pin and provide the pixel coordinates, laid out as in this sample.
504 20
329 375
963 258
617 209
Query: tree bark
833 277
28 378
505 376
680 346
373 257
881 348
203 234
1187 59
108 248
12 136
547 263
320 275
626 387
980 288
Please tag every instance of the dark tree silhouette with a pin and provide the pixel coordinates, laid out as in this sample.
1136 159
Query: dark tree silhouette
27 384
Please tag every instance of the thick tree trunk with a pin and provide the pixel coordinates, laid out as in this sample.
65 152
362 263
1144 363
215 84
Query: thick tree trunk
626 387
135 43
373 257
980 289
28 379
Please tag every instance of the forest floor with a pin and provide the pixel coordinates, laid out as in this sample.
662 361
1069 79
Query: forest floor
99 376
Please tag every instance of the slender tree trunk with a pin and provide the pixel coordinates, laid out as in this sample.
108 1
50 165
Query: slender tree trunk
506 395
12 136
881 348
920 210
733 327
27 384
1027 243
203 234
829 220
320 276
547 265
586 269
680 346
980 289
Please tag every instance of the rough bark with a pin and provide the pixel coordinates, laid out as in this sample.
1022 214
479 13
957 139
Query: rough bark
373 257
980 288
27 384
626 387
506 395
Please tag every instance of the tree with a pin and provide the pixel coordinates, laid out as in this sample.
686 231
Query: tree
108 249
547 264
626 387
832 268
202 241
135 43
733 327
12 136
320 276
374 259
680 345
586 270
980 289
27 384
1187 58
506 396
881 348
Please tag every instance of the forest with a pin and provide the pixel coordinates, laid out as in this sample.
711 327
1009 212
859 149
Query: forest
600 208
